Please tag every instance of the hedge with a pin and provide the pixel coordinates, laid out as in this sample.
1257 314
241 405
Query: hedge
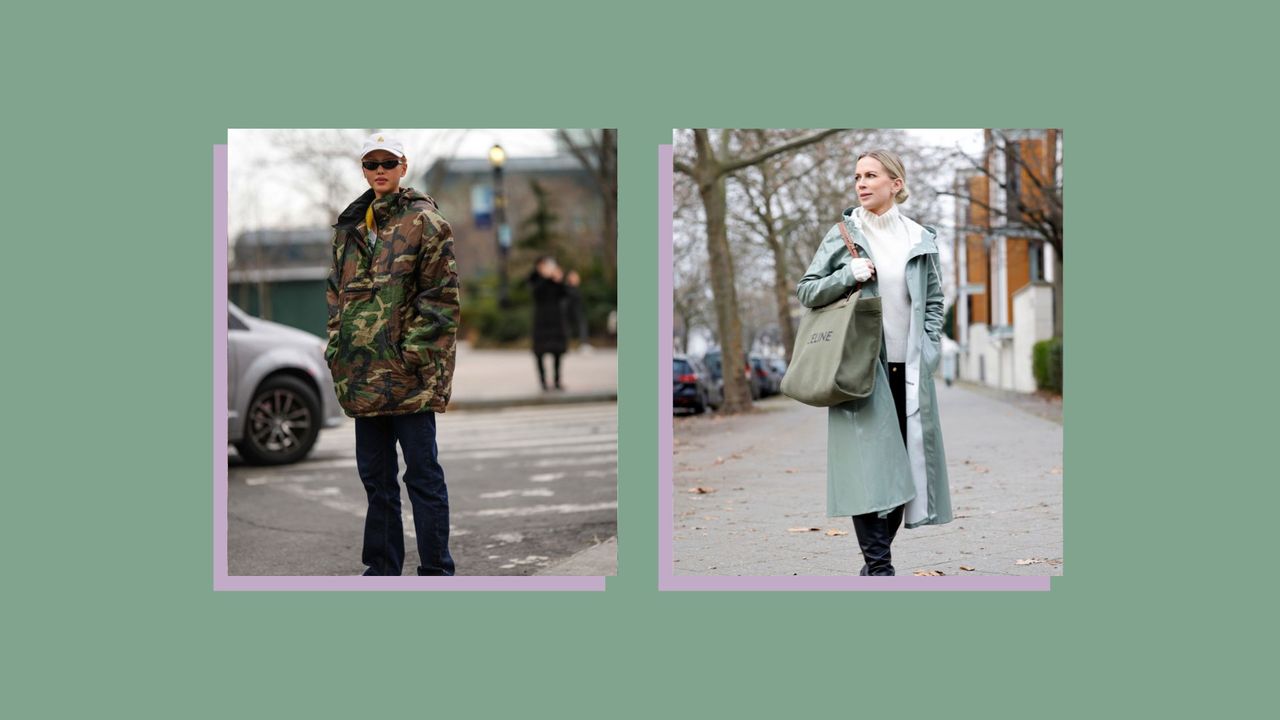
1046 364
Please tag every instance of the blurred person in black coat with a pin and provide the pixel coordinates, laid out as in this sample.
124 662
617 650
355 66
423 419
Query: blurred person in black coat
550 288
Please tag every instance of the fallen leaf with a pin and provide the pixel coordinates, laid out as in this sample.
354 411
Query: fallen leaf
1039 561
1055 470
966 567
929 573
836 533
791 471
803 529
981 469
701 490
719 461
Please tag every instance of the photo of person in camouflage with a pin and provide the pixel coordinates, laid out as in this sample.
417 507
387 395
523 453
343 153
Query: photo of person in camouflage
393 305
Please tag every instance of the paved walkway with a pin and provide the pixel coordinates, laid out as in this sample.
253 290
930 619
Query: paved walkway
766 475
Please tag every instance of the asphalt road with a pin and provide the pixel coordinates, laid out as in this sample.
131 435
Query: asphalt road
527 487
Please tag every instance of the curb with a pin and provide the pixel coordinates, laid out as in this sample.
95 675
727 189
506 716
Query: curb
526 400
598 561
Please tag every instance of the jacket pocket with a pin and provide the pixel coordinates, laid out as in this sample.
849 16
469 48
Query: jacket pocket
930 353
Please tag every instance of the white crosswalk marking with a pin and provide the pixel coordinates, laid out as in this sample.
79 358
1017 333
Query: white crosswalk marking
554 465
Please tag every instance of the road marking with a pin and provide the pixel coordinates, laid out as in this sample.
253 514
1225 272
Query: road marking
454 448
539 560
611 458
499 453
359 509
536 492
546 477
541 433
563 509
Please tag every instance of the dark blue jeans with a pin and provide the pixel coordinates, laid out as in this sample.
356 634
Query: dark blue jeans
383 530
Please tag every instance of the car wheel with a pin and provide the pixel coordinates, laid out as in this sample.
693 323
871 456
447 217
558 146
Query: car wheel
282 424
700 405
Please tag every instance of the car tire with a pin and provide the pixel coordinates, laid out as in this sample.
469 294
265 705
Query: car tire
700 405
282 423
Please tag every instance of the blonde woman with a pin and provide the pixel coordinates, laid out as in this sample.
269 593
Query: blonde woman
885 462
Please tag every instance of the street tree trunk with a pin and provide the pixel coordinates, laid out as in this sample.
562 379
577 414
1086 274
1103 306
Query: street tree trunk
737 393
782 293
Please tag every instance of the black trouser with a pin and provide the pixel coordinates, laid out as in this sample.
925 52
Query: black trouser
378 467
876 534
542 374
898 386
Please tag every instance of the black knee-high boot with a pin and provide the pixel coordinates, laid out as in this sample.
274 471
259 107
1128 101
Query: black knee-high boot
875 537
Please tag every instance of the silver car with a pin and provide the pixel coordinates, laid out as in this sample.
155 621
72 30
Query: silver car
280 390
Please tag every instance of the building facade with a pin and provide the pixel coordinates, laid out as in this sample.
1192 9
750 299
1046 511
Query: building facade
1005 269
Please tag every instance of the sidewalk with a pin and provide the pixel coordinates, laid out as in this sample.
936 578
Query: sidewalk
505 378
600 560
766 473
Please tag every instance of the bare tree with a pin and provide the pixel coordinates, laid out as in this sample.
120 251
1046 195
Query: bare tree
787 203
761 212
708 167
597 151
691 302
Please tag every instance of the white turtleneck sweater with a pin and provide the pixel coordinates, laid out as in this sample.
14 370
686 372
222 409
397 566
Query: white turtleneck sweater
890 242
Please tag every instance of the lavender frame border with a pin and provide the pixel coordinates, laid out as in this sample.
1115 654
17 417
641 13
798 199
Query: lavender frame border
667 580
222 581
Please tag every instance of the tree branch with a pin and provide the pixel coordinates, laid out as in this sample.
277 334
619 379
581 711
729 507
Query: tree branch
738 164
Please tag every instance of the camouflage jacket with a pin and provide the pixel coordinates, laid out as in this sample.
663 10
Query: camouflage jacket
393 312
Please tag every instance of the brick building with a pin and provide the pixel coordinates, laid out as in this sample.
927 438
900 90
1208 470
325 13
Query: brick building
572 197
1004 269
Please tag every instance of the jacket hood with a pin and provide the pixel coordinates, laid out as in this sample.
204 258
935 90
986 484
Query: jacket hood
402 198
926 233
354 213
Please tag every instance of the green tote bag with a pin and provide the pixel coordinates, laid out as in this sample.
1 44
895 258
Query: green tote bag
837 349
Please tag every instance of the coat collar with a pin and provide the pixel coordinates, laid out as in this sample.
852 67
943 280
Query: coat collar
925 235
354 214
383 207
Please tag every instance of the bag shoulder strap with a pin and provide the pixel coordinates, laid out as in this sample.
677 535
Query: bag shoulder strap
848 240
853 250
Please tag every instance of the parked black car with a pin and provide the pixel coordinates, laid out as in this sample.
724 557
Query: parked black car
693 387
763 372
779 367
712 360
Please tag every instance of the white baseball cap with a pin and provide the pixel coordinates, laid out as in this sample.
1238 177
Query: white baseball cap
383 141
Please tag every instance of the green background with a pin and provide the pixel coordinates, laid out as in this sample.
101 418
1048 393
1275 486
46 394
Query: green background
113 110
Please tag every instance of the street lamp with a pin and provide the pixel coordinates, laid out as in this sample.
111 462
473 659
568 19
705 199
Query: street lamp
497 157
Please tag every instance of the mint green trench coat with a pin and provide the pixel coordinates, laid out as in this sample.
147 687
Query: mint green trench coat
868 469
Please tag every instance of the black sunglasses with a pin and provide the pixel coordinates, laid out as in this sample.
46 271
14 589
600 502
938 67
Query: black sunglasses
385 164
